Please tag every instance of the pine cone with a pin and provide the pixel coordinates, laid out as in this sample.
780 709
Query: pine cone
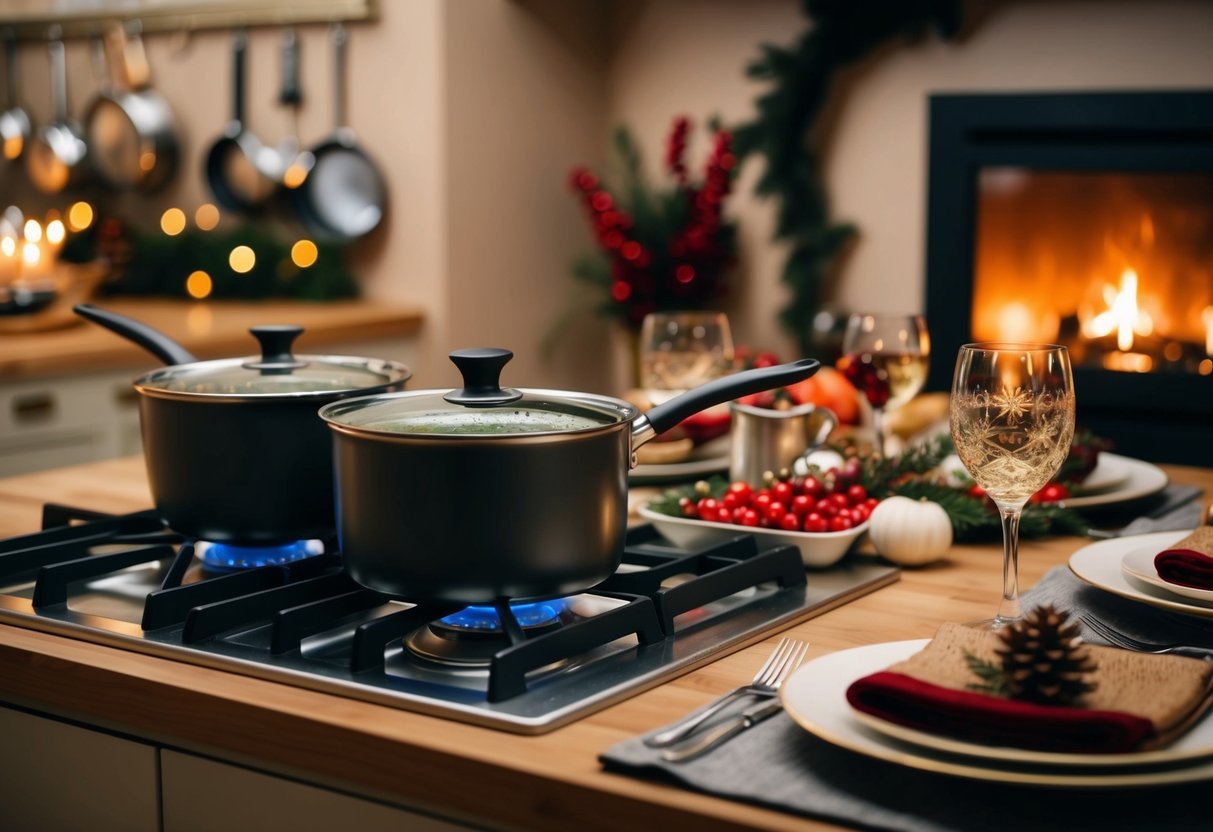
1043 658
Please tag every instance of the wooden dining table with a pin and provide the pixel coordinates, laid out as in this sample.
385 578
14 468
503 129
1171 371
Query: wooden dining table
469 774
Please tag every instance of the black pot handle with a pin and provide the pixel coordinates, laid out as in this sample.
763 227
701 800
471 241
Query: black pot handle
723 389
481 370
152 340
276 356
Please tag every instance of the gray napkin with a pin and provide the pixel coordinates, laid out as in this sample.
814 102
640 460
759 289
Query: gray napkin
1179 509
780 766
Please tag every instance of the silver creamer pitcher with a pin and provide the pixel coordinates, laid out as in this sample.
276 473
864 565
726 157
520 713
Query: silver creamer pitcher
768 440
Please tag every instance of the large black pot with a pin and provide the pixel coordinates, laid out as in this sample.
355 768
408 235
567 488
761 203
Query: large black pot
235 451
481 494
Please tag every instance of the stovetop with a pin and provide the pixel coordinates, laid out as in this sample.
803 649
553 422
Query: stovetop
125 581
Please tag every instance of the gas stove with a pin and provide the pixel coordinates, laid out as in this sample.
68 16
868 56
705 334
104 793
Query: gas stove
292 615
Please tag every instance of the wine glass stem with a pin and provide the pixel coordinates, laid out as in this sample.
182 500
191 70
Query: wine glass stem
1008 609
878 427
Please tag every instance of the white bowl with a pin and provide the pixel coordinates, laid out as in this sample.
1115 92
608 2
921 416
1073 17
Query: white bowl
817 549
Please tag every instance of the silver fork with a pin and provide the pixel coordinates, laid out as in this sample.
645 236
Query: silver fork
787 656
1106 632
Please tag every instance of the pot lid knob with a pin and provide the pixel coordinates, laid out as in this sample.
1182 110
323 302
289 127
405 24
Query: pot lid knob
276 357
481 370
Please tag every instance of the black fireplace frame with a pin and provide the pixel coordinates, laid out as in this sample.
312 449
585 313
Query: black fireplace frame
1154 416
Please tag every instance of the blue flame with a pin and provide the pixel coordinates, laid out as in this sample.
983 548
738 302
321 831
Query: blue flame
486 618
229 556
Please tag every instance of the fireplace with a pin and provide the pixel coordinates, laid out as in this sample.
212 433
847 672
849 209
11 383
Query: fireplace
1087 220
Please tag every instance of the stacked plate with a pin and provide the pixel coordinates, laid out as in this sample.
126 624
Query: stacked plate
815 697
1125 566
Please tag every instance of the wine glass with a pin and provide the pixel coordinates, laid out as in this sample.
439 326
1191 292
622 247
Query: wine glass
1012 421
886 358
681 350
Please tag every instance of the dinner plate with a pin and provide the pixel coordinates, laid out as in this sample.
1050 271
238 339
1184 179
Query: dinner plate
1139 564
815 698
674 471
1105 476
1137 479
1099 564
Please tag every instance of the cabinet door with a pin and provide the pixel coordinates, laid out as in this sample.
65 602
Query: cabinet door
55 776
202 795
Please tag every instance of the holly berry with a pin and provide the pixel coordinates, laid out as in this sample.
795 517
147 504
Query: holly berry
1051 493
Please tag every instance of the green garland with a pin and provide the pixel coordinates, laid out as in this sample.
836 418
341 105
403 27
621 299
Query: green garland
843 32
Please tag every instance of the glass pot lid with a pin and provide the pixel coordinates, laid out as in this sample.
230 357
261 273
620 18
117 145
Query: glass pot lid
276 372
480 408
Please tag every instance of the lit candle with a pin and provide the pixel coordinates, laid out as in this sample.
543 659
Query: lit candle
10 264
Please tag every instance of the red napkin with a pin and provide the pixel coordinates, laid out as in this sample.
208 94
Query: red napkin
1189 562
989 720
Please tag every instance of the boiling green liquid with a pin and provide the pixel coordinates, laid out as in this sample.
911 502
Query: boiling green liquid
488 424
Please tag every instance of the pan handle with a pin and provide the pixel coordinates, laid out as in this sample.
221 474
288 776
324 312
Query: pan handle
337 37
290 93
239 47
152 340
665 416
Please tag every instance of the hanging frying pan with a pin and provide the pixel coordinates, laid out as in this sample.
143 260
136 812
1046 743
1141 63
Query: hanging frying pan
15 125
56 155
230 172
344 195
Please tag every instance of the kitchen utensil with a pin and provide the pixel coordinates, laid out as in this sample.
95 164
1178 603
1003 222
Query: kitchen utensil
343 196
132 140
722 733
767 440
1128 642
235 452
287 164
15 125
233 178
786 657
483 493
56 158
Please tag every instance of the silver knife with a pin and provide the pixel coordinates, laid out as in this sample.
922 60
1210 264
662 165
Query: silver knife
708 740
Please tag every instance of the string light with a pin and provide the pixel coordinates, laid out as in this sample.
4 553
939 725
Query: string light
33 231
206 216
199 284
172 221
242 259
55 232
304 253
79 216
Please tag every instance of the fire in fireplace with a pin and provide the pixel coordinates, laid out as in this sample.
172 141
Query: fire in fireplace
1085 220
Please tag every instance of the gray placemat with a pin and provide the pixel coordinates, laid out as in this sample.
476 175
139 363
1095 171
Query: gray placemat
780 766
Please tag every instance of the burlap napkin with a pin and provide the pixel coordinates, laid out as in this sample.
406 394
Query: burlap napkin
1190 561
1141 701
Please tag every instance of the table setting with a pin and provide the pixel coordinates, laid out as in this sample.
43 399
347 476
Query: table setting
1081 701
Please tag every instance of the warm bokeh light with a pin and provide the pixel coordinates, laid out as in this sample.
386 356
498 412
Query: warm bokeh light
172 221
206 217
55 232
8 246
30 254
294 176
33 231
242 259
79 216
147 161
199 284
304 253
13 146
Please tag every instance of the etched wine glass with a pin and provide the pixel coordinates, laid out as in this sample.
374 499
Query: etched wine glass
886 358
1012 421
681 350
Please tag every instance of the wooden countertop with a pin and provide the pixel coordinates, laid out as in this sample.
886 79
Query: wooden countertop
210 329
551 781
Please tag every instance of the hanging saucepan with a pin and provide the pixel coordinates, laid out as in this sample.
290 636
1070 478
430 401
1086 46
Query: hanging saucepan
131 139
343 196
15 125
235 452
230 171
56 155
481 494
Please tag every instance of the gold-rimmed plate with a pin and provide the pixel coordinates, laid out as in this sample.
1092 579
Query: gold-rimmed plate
1099 564
1119 479
1139 564
815 698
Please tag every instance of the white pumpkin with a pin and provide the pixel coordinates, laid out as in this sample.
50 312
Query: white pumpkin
823 458
910 532
952 471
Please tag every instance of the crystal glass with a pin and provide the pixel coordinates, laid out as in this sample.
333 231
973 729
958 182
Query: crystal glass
886 357
681 350
1012 421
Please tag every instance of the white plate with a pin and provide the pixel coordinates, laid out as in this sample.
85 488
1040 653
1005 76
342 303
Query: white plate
1138 479
1099 564
1139 564
815 697
1107 474
688 470
817 549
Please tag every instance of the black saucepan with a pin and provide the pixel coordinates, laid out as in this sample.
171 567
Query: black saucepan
233 177
235 452
481 494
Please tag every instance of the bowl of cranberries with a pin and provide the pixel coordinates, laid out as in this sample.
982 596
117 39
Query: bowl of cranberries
822 518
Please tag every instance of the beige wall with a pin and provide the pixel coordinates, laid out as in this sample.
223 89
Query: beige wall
476 110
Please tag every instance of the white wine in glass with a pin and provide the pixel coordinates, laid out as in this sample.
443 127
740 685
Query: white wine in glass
1012 421
681 350
886 358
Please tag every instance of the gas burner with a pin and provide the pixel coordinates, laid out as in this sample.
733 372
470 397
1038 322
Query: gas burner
228 557
472 636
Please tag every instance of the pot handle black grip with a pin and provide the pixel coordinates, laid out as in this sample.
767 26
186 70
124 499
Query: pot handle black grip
723 389
276 355
481 370
152 340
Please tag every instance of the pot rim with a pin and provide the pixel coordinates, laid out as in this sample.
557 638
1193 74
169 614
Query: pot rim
626 413
396 372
